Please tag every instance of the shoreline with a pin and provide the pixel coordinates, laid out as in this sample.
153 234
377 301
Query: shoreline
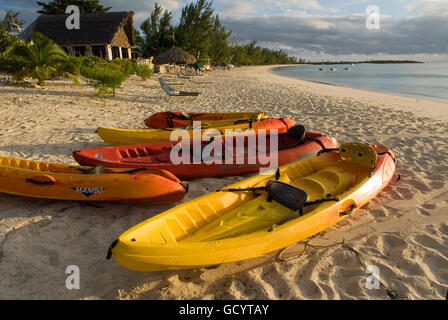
433 108
398 94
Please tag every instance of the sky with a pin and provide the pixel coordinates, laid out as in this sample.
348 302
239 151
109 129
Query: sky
316 30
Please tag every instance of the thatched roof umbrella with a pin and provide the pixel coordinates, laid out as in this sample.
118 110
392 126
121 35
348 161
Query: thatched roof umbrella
176 56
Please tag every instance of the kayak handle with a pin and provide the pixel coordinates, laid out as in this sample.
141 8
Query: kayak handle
350 211
49 182
135 170
111 247
186 187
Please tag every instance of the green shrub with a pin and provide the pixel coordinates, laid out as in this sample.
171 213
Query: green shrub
144 71
8 65
127 66
106 77
11 66
74 66
6 40
77 64
94 60
103 92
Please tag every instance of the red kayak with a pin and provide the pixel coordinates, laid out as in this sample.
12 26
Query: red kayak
162 120
198 161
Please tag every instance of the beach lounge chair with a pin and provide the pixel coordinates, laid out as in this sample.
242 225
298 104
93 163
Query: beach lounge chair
176 93
189 78
184 76
173 80
189 73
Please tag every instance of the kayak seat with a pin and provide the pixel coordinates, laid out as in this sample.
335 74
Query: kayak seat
297 132
333 180
359 153
288 195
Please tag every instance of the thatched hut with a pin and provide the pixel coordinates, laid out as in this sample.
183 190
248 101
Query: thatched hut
107 35
175 55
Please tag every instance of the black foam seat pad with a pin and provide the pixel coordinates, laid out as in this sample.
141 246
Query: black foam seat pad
288 195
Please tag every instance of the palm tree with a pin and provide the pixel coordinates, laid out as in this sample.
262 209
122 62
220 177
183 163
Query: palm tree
13 23
42 58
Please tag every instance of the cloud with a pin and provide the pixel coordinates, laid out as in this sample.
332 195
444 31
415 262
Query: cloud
142 6
233 8
306 26
345 35
429 7
301 4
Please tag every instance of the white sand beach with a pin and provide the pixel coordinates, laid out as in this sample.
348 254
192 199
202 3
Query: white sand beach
403 231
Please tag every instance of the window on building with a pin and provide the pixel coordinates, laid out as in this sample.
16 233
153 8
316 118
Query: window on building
124 53
99 51
115 52
80 51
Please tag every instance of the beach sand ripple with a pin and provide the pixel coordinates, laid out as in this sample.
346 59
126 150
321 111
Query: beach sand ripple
403 231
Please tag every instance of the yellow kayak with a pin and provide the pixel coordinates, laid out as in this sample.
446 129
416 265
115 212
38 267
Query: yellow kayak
119 137
261 214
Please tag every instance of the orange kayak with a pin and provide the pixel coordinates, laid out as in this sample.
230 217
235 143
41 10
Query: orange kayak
231 158
65 182
162 120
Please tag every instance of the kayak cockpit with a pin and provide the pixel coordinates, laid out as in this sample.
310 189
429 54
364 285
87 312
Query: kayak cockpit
223 215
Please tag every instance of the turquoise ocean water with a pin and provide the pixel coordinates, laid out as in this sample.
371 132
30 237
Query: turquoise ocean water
428 80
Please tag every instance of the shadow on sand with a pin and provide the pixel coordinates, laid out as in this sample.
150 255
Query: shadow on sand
55 149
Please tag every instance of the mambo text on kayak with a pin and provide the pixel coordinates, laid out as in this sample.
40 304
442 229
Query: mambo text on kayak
240 146
238 309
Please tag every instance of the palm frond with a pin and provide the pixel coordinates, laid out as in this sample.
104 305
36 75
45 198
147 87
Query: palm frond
42 58
22 52
72 77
